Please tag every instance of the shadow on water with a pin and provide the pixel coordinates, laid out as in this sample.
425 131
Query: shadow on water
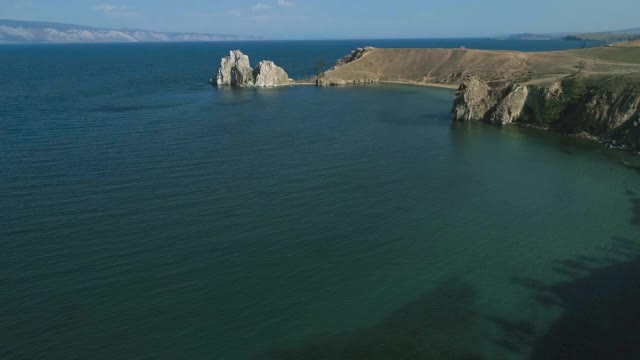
440 325
632 163
635 211
600 303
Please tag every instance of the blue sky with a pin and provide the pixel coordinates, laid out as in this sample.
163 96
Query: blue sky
332 19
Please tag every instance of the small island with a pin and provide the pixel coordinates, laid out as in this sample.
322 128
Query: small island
236 70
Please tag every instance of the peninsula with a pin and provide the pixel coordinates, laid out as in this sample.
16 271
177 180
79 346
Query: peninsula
592 93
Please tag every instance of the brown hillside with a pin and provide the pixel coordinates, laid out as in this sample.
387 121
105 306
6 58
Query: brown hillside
632 43
449 66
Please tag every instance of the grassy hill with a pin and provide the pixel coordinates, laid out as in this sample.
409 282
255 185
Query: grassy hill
632 43
449 66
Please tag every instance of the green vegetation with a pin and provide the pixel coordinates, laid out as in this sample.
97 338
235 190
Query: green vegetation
543 114
574 91
550 112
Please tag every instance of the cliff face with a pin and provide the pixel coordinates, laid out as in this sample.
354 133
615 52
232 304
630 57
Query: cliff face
236 70
474 99
573 105
612 109
511 107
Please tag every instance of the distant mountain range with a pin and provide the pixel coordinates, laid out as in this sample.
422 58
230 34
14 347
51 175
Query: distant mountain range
607 36
15 31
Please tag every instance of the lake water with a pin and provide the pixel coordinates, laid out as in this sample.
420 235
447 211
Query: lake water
145 214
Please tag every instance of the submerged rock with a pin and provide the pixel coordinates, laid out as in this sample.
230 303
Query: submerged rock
267 74
235 70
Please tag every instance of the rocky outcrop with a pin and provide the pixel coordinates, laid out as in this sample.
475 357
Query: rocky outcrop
267 74
354 55
473 100
510 108
574 105
611 109
236 70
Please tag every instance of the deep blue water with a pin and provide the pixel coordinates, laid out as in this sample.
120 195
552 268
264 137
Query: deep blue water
145 214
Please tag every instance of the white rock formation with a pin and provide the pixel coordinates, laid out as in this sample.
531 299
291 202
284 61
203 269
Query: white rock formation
267 74
235 70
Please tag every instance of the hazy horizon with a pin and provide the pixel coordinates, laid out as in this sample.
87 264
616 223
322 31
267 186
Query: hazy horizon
331 19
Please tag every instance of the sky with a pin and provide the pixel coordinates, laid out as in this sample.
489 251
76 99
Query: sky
336 19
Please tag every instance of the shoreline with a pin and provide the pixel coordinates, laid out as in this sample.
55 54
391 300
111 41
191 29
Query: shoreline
582 135
503 87
416 83
400 82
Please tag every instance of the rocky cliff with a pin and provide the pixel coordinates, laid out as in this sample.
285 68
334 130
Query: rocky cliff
608 111
474 99
235 70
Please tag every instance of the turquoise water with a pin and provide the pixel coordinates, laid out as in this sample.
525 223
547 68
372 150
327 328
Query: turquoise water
145 214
